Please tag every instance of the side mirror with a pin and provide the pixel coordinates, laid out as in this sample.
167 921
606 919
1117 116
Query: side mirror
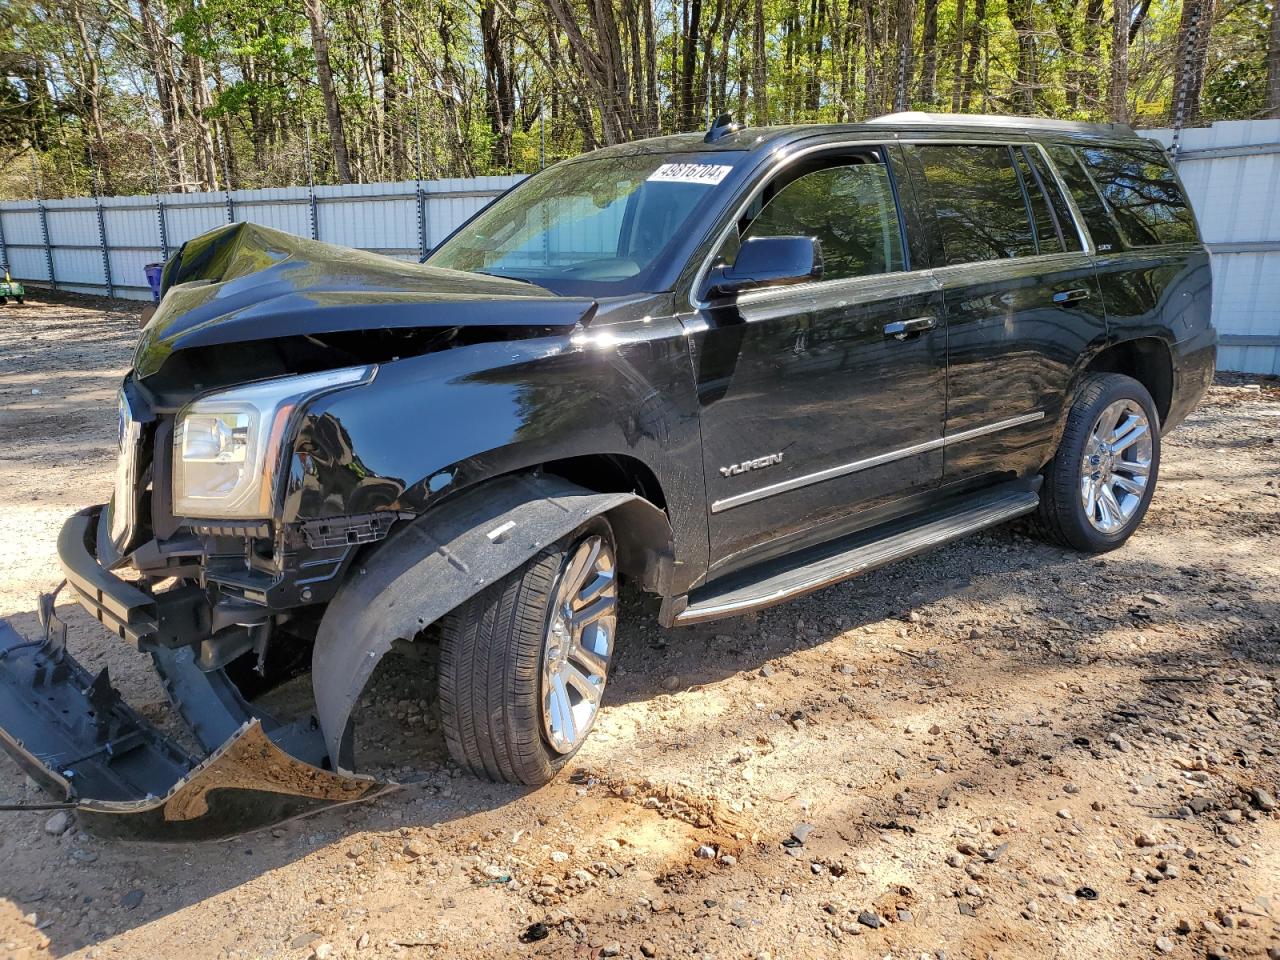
768 262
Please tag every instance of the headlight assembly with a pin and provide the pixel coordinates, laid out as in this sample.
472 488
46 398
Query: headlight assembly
226 445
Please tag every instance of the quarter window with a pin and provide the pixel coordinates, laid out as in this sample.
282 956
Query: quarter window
1142 194
849 209
1092 210
980 208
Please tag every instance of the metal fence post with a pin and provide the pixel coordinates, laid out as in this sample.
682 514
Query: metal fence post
164 233
44 223
312 212
102 237
231 204
419 198
4 251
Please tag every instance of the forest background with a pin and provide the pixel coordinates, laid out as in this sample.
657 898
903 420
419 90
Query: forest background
138 96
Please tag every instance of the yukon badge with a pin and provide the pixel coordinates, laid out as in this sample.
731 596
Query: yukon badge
757 464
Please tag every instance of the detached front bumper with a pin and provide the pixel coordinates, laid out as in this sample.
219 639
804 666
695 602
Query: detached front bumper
75 735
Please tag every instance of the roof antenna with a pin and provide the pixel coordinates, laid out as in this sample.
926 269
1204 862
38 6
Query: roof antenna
722 127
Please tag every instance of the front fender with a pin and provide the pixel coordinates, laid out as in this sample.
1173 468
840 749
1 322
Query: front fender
430 427
434 564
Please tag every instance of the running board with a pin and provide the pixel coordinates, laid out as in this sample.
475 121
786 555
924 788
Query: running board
818 567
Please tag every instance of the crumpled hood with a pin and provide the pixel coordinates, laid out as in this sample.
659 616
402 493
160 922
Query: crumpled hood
244 282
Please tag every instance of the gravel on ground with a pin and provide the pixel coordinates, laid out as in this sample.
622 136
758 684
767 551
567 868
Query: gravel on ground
1001 749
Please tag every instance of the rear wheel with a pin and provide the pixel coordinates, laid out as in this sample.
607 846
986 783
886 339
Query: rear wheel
1100 482
524 663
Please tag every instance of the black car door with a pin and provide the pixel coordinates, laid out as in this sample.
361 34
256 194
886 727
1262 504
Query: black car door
820 403
1022 301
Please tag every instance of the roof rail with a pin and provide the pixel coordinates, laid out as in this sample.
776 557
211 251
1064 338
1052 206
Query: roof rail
989 120
722 126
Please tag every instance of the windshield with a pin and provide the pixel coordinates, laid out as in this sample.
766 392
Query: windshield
590 227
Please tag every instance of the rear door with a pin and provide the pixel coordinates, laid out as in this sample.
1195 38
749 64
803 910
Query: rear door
820 402
1022 300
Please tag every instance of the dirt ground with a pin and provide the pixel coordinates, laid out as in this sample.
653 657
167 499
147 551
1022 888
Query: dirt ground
1001 749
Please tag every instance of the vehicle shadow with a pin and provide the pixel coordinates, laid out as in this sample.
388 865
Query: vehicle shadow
77 873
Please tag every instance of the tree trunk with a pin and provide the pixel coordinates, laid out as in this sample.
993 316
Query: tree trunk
1091 45
1193 56
759 76
976 33
1118 88
689 64
650 115
1024 91
500 105
332 113
906 24
164 75
929 43
392 90
957 66
1273 63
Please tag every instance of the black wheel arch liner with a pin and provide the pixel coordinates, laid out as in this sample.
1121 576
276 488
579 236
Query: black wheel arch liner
449 554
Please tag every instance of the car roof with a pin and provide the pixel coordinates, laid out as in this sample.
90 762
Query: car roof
751 139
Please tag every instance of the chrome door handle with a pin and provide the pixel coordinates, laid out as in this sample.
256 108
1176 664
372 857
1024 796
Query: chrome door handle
901 329
1071 296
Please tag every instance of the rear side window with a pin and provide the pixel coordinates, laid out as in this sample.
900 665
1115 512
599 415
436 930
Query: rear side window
1142 194
978 199
1088 202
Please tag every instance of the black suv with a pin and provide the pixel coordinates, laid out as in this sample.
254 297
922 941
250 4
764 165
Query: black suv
730 368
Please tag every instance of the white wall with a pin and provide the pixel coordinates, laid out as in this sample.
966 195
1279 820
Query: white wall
398 219
1232 173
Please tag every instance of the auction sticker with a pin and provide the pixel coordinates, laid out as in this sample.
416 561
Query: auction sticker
708 173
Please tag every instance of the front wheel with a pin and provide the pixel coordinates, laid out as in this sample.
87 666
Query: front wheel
523 664
1100 482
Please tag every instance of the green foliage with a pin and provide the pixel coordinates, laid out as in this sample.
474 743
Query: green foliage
191 94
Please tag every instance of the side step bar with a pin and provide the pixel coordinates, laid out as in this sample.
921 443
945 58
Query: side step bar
821 566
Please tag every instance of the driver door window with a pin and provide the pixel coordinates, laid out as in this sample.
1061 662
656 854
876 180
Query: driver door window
849 208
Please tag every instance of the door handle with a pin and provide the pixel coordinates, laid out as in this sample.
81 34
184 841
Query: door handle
901 329
1071 296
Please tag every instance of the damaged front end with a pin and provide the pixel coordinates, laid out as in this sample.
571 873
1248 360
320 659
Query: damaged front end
73 734
242 500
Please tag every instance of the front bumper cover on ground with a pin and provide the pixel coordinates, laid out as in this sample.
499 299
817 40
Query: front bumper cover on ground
75 736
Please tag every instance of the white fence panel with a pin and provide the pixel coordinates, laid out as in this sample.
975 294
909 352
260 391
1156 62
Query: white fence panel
1231 170
1232 174
398 219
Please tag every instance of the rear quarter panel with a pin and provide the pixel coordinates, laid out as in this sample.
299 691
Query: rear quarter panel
1165 293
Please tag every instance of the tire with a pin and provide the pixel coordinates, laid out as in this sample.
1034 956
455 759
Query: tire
21 299
1065 516
501 651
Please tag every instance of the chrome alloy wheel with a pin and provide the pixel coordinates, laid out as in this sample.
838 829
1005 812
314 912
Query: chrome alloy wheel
1116 465
579 643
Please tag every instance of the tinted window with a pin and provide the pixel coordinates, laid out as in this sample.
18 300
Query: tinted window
1048 239
1094 214
1057 202
981 211
1142 194
849 209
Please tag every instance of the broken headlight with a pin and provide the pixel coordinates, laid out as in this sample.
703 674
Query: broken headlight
226 445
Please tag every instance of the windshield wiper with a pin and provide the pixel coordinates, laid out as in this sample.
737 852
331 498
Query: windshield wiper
503 276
